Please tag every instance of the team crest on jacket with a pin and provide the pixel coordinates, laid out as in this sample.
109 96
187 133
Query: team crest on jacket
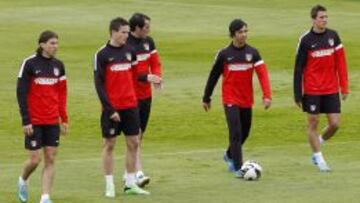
331 42
128 56
146 46
56 71
248 57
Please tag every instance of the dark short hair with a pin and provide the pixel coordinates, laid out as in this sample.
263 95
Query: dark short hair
315 10
116 23
236 25
45 37
138 20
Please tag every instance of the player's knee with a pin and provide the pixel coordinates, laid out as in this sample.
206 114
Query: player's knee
109 146
133 143
334 125
50 158
49 162
35 160
313 122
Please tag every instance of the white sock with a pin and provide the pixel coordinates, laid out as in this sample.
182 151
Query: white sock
44 197
130 179
124 176
22 181
140 173
109 179
319 157
321 140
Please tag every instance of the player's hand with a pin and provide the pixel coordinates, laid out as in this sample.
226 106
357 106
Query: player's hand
64 128
158 86
153 79
206 106
267 103
115 117
344 96
28 130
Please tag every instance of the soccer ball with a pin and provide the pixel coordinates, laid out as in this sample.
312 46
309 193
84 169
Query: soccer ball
252 170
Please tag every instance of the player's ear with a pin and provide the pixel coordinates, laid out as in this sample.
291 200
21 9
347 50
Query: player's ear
137 28
42 44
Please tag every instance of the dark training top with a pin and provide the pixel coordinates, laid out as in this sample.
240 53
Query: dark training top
320 65
149 63
237 66
114 75
42 91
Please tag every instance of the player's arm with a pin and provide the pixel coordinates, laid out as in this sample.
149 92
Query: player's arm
155 66
134 68
63 100
213 78
22 91
263 76
300 63
340 62
99 79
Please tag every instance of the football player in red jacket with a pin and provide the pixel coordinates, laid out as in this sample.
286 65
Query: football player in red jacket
41 94
320 75
237 63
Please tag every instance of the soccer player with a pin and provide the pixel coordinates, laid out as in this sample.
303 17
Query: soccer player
115 64
237 63
148 71
41 94
320 73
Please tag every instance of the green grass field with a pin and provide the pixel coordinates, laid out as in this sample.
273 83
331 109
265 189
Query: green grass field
184 145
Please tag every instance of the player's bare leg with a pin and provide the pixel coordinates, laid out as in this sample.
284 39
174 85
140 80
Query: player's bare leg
332 127
141 178
30 166
48 173
317 158
313 121
108 165
132 148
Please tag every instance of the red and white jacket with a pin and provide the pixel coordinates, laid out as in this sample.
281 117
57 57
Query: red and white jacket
148 63
237 66
42 91
320 66
114 76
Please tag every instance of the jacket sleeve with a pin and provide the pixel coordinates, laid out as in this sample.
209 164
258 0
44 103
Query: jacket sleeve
63 95
300 63
213 78
340 62
263 76
134 69
22 91
99 79
155 64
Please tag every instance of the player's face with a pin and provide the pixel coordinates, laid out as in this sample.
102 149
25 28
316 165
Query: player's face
121 35
321 20
144 31
241 35
50 47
